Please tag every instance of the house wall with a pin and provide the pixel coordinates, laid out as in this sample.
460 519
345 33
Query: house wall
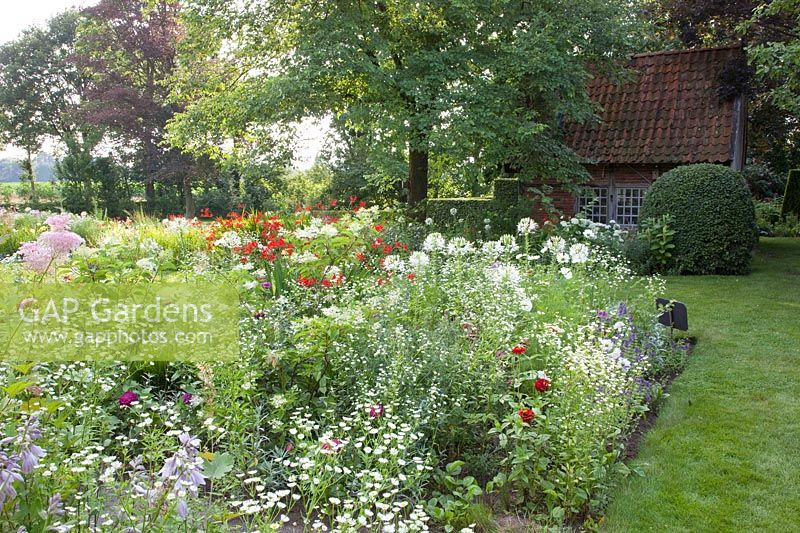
611 176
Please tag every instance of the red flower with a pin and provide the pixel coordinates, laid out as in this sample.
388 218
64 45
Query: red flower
127 398
378 227
412 276
376 411
526 414
334 202
332 446
518 349
542 384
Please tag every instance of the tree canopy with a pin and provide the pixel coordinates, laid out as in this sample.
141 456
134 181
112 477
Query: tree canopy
482 83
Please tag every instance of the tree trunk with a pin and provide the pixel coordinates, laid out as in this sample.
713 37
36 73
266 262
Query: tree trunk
149 174
417 175
188 198
28 171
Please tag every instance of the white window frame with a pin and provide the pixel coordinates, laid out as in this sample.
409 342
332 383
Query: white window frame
604 203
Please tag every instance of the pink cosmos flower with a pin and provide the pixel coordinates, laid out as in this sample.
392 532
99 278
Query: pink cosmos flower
127 398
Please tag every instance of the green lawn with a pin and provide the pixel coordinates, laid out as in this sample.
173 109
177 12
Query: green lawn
725 452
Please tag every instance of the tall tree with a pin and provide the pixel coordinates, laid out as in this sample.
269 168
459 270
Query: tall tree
479 80
40 88
129 47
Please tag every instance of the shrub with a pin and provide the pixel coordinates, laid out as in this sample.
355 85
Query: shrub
791 198
762 181
714 218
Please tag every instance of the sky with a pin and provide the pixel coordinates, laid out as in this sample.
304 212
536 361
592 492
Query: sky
21 14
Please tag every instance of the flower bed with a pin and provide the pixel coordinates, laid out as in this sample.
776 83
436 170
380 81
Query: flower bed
384 383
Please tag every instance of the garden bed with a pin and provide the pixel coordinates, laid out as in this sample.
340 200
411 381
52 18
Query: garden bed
390 376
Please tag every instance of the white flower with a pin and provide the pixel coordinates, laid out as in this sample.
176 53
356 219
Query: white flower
459 246
418 260
147 263
579 253
229 239
393 263
590 233
526 226
434 242
567 273
504 272
428 221
329 230
453 211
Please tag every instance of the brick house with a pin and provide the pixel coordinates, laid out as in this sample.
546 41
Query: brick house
675 111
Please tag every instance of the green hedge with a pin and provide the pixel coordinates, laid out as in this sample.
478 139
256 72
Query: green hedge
503 209
791 198
713 217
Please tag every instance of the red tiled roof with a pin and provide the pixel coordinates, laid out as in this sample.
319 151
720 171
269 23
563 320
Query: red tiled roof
671 112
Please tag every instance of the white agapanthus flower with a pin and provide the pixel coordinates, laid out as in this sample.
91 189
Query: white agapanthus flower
434 243
229 240
527 226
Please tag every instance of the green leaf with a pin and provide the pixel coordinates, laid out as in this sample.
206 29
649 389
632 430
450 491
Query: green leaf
219 466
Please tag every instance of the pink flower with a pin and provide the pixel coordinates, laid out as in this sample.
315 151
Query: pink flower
60 242
186 398
35 256
542 384
376 411
58 222
127 398
332 446
289 447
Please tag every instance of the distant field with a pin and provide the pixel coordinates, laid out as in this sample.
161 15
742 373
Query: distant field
17 193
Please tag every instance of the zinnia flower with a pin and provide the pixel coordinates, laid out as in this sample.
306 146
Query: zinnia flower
127 398
542 384
526 414
518 350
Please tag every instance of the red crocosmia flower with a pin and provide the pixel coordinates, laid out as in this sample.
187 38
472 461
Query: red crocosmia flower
542 384
518 350
353 199
378 227
526 414
412 276
334 202
376 411
361 257
387 249
127 398
362 203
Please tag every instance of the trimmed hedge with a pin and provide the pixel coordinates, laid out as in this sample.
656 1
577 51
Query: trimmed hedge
504 208
714 218
791 197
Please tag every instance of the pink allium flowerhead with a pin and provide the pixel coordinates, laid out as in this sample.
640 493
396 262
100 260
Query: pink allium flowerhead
58 222
60 242
376 411
35 256
127 398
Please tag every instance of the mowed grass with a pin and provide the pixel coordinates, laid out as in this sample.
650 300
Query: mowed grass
725 452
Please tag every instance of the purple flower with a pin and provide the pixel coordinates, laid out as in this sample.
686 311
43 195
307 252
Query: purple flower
60 243
35 256
602 314
186 398
185 471
55 507
266 285
29 453
9 473
376 411
127 398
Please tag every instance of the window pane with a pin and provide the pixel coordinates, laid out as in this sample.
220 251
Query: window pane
629 201
593 203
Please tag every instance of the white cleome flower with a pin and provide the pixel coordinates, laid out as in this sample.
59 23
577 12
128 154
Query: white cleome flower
526 226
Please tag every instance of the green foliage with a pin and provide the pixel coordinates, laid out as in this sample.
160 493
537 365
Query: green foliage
763 181
492 215
714 218
453 504
660 236
791 197
636 251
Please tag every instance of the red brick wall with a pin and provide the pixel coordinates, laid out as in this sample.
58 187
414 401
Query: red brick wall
602 176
